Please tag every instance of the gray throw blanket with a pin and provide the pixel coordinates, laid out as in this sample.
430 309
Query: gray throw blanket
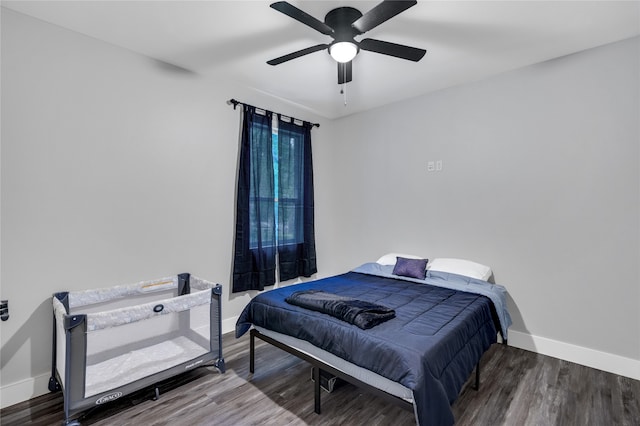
357 312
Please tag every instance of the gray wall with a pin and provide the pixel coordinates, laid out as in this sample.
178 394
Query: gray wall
540 181
115 169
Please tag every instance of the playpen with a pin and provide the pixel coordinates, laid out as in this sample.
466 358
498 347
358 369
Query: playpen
111 342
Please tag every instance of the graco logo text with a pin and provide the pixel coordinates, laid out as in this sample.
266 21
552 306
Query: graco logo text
109 398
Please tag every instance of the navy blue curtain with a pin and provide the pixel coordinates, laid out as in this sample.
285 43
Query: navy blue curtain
254 264
296 237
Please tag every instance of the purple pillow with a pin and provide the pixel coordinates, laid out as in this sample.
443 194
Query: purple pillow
413 268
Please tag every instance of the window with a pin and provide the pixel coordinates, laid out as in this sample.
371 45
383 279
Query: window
274 202
289 192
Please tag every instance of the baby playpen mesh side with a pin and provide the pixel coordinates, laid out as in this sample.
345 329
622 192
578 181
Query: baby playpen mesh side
110 342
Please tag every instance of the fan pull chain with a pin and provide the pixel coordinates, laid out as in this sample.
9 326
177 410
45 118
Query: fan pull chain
343 91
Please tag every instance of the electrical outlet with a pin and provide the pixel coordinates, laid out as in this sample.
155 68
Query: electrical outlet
431 166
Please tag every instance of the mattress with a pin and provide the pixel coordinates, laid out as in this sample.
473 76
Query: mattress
137 364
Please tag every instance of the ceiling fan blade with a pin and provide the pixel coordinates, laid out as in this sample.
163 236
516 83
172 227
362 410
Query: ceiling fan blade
301 16
297 54
381 13
392 49
344 72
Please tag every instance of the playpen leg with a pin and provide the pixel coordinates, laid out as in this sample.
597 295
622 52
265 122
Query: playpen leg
54 385
219 364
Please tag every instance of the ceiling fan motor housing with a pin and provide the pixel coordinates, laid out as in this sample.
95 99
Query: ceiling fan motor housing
340 20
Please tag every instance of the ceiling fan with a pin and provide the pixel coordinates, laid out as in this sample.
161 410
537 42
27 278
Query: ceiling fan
345 23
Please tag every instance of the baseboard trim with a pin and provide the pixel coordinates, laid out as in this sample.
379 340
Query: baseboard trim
229 324
599 360
30 388
24 390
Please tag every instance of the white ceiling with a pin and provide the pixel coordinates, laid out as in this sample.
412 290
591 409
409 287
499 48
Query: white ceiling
232 40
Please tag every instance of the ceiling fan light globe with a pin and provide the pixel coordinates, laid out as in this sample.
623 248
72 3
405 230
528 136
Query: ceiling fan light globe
343 51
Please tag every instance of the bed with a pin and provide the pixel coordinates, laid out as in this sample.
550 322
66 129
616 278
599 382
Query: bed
443 323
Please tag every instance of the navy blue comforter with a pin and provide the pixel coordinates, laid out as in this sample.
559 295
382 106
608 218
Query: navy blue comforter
430 347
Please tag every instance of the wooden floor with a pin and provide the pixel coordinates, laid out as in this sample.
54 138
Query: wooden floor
517 388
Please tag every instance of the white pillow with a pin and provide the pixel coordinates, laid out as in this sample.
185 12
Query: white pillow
390 258
460 267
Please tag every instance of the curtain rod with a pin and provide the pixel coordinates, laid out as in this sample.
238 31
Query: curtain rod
235 103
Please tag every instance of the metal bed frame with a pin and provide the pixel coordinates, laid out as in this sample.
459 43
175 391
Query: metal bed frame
318 366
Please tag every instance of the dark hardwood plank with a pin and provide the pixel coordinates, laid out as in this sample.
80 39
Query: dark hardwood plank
517 388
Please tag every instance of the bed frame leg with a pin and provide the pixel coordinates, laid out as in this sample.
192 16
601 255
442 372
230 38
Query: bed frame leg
477 384
316 389
252 347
